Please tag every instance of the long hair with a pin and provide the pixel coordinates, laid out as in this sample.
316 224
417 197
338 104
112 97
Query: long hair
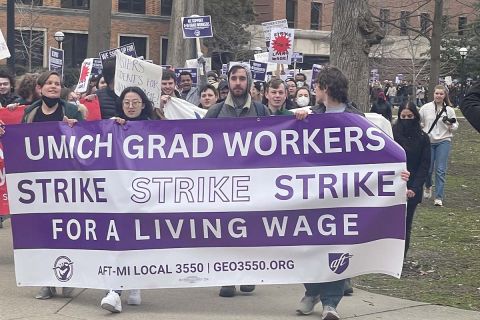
447 98
147 111
402 133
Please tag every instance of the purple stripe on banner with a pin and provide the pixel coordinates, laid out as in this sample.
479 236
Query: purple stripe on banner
338 226
327 138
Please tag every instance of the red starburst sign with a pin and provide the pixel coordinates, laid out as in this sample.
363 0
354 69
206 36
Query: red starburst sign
281 46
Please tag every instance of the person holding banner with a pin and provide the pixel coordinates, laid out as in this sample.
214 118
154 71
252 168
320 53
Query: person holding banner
167 86
7 83
188 92
134 106
238 104
302 97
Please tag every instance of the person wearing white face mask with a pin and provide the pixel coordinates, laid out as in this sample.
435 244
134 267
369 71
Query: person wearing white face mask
302 97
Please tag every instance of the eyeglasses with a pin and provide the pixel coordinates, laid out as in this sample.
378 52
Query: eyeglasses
135 103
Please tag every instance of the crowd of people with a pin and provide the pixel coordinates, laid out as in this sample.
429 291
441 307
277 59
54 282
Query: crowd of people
424 130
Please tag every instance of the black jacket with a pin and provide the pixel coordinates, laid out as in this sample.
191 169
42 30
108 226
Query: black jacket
470 106
108 102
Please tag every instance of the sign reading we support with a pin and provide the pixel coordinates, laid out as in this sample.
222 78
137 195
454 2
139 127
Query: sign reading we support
192 203
139 73
55 60
281 46
259 70
197 27
4 52
128 49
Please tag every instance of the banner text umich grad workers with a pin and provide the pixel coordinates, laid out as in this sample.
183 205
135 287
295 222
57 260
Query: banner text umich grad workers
192 203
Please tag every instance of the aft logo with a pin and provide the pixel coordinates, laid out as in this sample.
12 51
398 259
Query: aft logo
338 262
63 268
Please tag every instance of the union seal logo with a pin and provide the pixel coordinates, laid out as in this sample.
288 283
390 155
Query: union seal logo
63 268
338 262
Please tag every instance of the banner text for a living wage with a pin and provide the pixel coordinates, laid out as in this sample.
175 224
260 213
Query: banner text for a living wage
204 202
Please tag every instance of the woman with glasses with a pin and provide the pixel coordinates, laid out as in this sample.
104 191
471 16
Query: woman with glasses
408 133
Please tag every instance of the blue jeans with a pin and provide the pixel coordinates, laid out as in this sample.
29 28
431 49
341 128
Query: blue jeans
330 292
438 161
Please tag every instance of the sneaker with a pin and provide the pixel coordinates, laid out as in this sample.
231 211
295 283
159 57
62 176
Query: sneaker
134 298
330 313
307 304
348 289
67 292
112 302
46 293
227 291
427 193
438 203
247 288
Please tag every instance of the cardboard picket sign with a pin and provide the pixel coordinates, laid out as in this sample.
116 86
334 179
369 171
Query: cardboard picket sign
281 46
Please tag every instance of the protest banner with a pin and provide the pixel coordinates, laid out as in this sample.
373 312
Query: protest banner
4 210
4 52
193 71
191 203
55 60
197 27
85 73
315 70
259 70
131 71
177 109
128 49
281 46
93 109
269 25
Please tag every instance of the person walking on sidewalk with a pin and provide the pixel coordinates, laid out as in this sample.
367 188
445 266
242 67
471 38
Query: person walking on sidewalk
439 121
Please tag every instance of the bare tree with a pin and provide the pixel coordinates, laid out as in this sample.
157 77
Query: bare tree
179 49
28 38
100 27
353 34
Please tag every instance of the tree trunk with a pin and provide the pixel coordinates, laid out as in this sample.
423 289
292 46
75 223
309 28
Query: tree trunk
180 49
353 34
435 48
100 27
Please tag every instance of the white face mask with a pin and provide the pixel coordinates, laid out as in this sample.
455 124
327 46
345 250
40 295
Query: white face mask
303 101
300 84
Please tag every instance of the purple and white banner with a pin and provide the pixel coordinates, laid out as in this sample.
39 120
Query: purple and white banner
193 203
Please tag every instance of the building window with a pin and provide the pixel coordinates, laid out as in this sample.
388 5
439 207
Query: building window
166 8
316 15
131 6
140 44
291 8
29 48
425 22
384 18
76 4
462 24
445 22
30 2
75 47
404 22
164 50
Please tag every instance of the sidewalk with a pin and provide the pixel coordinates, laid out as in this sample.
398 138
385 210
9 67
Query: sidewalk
267 302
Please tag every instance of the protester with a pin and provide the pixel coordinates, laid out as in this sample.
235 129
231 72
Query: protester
167 86
237 104
107 97
70 96
51 108
470 106
257 91
134 106
188 91
438 120
392 94
381 106
212 78
223 90
27 89
208 96
291 89
7 84
302 97
301 79
408 133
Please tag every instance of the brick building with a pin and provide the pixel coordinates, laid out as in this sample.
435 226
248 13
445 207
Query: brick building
146 23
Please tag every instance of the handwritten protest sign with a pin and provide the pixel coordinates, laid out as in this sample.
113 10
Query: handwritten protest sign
197 27
55 60
108 55
131 71
4 52
246 201
281 46
268 26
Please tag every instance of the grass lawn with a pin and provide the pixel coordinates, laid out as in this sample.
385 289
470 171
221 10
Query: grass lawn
443 263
